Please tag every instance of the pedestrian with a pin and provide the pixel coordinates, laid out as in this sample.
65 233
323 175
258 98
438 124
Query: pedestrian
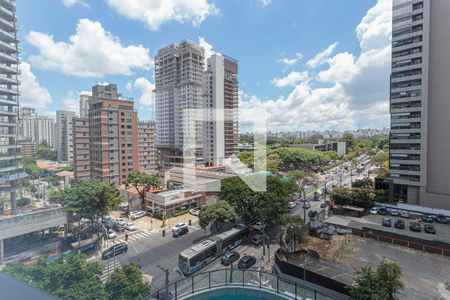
126 237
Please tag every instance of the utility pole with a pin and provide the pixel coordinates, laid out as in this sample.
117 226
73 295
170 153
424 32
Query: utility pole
166 271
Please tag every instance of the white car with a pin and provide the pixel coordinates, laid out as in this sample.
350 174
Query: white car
130 227
137 214
179 226
291 205
307 205
112 234
374 210
195 212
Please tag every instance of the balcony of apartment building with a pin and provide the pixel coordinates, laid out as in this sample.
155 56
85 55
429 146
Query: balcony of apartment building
6 25
405 127
9 4
404 148
402 158
404 137
405 179
8 47
405 117
8 70
8 91
8 80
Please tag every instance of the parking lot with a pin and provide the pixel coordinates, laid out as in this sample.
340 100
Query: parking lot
375 221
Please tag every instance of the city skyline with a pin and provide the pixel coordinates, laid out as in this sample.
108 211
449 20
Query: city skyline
294 69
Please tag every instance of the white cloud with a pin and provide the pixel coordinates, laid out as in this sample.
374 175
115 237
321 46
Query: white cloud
91 52
290 80
357 85
265 2
32 93
70 3
129 86
208 48
321 57
154 13
292 61
146 88
72 102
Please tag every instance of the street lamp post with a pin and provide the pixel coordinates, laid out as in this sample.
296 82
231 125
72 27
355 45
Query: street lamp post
166 271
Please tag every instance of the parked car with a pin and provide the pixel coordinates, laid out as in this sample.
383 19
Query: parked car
115 250
394 212
387 222
229 258
307 205
427 218
292 205
112 234
374 210
312 214
246 262
441 219
414 226
404 214
130 227
400 224
137 214
179 230
119 228
259 226
257 239
119 221
195 212
428 228
382 211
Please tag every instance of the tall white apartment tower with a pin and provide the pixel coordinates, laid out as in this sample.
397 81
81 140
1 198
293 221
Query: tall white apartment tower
220 103
35 128
420 102
178 87
10 171
64 135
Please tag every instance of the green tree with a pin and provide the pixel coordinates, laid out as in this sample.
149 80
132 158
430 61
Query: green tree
90 198
54 195
23 202
294 230
268 206
142 182
302 179
127 282
217 215
71 277
382 283
44 151
30 167
363 183
361 197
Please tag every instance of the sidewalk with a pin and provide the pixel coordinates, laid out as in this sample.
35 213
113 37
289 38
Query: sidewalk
149 224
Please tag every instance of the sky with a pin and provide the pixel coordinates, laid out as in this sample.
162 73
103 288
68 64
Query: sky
309 64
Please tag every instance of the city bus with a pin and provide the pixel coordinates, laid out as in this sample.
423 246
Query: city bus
199 255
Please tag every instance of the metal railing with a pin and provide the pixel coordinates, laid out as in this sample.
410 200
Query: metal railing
225 278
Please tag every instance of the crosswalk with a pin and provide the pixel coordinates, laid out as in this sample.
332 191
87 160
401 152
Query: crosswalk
134 237
110 266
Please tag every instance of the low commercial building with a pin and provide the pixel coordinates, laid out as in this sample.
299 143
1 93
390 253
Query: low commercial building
28 148
171 203
339 147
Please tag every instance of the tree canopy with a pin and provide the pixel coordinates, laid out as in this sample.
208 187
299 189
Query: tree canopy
44 151
294 230
127 282
361 197
303 159
90 198
265 206
73 277
142 182
363 183
30 167
216 215
382 283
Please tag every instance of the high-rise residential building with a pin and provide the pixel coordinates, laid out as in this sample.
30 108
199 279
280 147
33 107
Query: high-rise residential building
84 106
81 145
148 153
220 103
420 102
33 127
106 91
178 88
64 135
10 171
113 129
